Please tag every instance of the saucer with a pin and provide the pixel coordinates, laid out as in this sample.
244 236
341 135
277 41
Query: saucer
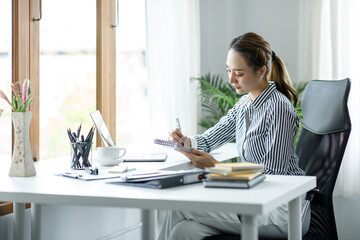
109 162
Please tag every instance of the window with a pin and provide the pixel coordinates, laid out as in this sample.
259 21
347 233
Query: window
67 72
75 68
5 78
132 106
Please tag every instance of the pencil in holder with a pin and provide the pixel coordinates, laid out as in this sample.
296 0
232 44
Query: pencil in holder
81 155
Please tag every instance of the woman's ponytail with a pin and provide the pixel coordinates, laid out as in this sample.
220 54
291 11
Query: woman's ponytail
279 74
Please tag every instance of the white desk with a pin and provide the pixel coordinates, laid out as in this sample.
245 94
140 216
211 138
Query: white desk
50 189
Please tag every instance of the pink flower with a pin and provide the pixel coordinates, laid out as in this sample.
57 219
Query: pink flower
21 96
3 96
25 91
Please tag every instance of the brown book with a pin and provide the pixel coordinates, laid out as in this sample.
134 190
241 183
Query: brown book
226 172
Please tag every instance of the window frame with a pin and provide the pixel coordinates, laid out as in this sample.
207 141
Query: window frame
26 64
106 65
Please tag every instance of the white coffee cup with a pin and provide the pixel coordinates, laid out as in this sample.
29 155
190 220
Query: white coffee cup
110 153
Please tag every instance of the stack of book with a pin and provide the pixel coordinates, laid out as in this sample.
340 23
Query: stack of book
234 175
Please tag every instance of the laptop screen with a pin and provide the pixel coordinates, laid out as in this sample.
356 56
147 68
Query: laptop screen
102 129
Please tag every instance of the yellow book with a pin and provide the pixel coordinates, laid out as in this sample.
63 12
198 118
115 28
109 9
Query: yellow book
242 176
226 172
239 166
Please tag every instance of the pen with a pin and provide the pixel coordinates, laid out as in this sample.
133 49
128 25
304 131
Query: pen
179 127
70 136
178 124
74 136
130 169
78 131
89 134
72 175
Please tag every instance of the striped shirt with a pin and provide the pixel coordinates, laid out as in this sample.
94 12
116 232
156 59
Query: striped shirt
264 130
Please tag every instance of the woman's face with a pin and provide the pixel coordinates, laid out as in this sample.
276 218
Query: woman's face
242 77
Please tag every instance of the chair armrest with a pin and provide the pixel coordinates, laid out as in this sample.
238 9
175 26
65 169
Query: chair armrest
309 197
310 194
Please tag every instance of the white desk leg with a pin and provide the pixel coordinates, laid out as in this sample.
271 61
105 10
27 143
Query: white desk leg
148 224
19 221
294 227
249 228
35 221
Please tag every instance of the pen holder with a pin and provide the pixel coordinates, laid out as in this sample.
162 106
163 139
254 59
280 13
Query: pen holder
81 155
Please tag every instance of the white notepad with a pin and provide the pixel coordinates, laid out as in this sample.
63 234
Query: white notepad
172 145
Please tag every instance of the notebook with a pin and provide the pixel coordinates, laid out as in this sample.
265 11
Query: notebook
82 175
172 145
239 166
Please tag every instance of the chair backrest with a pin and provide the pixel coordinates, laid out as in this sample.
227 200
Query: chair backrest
321 146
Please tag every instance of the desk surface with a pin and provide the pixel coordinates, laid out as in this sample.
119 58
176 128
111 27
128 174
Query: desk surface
45 187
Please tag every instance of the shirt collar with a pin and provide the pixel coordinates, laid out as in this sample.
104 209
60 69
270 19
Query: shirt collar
264 95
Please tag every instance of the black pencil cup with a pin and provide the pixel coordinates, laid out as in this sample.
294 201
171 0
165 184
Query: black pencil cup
81 155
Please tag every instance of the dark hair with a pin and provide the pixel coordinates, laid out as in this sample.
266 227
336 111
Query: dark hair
258 53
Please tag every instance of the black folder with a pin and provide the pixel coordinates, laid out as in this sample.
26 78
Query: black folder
162 180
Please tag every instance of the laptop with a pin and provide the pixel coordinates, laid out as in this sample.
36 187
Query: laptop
107 140
102 129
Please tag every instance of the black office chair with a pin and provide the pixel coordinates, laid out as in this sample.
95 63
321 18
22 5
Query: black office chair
321 146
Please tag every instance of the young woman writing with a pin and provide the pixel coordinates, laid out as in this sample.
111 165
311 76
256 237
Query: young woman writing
263 122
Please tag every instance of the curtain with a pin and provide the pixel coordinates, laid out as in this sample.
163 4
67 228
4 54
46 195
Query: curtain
173 40
328 49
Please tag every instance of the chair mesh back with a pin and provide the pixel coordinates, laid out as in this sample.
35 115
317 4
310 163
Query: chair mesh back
321 156
321 147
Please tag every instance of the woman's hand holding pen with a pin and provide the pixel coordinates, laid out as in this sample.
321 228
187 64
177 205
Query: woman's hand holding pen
178 137
200 159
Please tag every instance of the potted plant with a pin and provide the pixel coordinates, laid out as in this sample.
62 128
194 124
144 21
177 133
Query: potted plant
218 97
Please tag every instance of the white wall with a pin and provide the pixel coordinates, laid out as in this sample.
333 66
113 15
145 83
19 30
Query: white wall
222 20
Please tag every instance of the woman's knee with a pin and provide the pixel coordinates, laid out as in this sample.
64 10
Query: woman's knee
191 230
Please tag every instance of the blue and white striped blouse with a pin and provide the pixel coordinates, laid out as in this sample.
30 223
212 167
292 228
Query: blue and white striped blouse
264 130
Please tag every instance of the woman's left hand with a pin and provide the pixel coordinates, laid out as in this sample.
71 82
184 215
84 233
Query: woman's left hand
200 159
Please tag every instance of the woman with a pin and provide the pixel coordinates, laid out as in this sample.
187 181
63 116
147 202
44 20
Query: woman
263 122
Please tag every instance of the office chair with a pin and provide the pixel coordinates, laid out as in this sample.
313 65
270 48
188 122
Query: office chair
321 146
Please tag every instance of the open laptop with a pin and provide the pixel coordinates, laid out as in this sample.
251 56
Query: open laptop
108 142
102 129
